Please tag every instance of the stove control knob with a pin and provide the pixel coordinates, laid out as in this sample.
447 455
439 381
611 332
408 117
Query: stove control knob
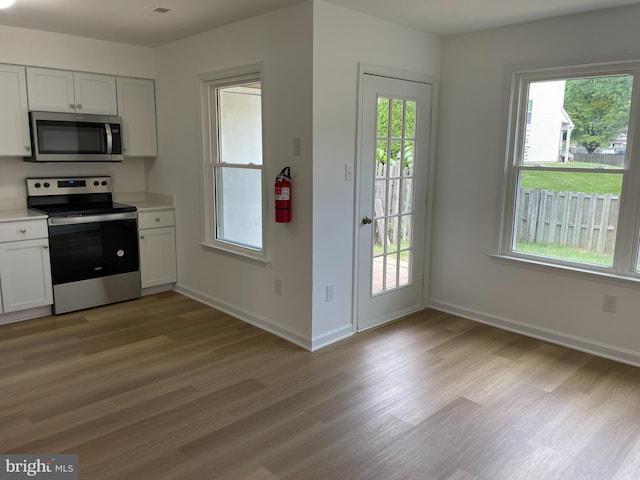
96 183
37 184
104 182
47 184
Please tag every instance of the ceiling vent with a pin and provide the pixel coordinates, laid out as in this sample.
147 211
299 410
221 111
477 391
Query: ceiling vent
157 11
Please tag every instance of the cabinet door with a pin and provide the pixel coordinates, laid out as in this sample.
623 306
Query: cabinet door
14 118
157 256
95 93
137 107
25 275
50 90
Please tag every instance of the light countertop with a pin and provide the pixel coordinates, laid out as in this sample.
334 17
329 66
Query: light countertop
21 214
146 201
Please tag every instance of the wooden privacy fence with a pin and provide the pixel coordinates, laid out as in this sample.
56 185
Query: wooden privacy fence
578 220
397 195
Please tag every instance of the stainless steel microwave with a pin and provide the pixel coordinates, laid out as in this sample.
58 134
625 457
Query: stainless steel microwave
74 137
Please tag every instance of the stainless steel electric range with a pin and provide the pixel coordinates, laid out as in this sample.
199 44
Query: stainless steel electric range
93 241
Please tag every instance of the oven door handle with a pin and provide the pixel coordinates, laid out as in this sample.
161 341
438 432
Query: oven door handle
92 218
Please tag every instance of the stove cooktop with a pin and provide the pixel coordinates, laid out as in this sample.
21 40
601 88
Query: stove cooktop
100 208
73 196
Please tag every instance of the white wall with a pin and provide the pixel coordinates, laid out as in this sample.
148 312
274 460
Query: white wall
343 39
471 143
31 47
282 41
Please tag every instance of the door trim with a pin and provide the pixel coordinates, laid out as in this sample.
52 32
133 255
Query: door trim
397 74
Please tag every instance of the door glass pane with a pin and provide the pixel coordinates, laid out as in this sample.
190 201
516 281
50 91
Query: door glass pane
391 279
407 195
382 158
383 117
407 162
410 120
392 235
380 196
404 277
396 158
379 241
394 197
397 118
393 194
377 284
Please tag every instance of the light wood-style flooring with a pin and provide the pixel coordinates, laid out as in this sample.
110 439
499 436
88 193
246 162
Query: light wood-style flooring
166 388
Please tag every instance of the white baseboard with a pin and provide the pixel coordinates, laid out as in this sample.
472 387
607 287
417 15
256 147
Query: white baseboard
157 289
599 349
25 314
259 321
331 337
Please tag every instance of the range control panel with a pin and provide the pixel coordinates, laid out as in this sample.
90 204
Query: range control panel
67 185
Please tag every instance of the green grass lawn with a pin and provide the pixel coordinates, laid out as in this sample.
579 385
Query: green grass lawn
565 253
596 182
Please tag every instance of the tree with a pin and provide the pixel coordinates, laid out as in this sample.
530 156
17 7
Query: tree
397 116
599 108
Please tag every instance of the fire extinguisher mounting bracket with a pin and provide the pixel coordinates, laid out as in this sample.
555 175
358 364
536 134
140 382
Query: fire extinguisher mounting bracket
284 173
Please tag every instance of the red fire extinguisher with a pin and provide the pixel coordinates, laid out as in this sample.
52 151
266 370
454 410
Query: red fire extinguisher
283 196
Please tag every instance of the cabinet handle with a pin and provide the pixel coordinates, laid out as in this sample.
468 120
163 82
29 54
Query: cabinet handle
157 219
23 230
142 237
79 107
27 148
71 105
45 246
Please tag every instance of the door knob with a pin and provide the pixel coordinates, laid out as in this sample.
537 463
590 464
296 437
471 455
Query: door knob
366 221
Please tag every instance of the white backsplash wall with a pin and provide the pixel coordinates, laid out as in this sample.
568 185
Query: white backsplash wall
128 176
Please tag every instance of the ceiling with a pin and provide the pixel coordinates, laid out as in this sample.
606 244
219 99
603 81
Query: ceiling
135 21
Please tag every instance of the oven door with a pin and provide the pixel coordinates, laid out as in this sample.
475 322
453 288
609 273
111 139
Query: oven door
87 247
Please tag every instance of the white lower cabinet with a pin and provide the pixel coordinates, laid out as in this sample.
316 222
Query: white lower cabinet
157 248
25 271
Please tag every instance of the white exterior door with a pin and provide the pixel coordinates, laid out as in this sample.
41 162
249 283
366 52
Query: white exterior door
393 167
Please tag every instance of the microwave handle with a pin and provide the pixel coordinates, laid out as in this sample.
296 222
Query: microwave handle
107 128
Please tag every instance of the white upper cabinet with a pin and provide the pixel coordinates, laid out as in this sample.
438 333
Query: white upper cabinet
14 120
95 93
137 107
65 91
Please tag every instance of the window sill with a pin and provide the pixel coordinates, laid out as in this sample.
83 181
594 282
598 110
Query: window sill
258 257
575 272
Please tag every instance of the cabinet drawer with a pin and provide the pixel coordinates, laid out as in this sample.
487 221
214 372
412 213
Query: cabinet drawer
23 230
162 218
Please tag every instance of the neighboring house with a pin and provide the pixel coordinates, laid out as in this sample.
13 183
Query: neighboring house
547 122
619 144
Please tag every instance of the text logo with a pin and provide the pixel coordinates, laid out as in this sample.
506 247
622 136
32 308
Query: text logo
40 467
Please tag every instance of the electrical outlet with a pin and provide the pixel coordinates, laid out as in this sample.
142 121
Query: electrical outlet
329 292
348 172
277 287
610 303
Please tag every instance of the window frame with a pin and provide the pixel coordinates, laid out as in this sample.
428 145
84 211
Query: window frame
210 81
627 245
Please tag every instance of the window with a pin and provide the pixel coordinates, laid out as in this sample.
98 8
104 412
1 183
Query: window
234 193
571 199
